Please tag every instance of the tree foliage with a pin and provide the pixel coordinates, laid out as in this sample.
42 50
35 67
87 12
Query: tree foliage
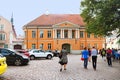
101 16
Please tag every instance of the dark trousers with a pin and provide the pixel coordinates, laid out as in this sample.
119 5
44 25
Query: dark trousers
85 62
94 61
109 61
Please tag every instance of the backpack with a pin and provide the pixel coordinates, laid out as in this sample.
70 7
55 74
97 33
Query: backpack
103 52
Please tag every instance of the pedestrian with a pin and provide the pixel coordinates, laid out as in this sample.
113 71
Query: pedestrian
89 59
63 59
103 52
85 55
94 53
113 53
109 55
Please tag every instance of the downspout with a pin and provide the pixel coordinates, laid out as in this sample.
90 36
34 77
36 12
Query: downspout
37 37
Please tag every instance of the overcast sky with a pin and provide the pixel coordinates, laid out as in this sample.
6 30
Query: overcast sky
25 11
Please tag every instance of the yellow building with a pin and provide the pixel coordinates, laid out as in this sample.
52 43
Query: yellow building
54 31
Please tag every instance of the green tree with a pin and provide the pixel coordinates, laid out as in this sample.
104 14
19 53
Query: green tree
101 16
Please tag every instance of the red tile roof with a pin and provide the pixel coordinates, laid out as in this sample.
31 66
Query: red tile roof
51 19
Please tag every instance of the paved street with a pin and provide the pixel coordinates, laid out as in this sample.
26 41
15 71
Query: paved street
49 70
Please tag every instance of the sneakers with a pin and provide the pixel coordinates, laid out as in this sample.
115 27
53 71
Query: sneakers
60 69
94 69
65 69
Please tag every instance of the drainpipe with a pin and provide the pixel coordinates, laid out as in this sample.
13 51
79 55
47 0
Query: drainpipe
37 37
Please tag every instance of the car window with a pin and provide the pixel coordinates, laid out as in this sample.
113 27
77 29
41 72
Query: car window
35 51
41 51
4 52
11 52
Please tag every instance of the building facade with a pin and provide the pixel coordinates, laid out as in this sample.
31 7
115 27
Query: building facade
55 31
6 33
8 37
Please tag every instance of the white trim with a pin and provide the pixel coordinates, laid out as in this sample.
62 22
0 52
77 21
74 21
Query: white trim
74 25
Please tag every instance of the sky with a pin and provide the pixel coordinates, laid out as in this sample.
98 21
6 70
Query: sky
25 11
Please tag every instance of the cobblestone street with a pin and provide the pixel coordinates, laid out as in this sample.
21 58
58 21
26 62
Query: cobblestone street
49 70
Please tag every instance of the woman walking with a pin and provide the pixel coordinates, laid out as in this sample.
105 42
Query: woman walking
109 55
63 59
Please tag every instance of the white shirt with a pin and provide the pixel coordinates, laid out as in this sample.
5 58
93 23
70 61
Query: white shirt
94 52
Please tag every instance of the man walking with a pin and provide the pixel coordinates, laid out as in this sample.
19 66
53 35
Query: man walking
94 53
85 55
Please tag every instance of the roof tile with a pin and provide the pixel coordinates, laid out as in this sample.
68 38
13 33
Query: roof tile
52 19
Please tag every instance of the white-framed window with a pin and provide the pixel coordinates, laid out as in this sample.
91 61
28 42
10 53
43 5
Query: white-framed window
81 34
82 46
2 36
49 34
66 33
89 46
25 34
95 36
33 34
73 33
88 35
95 45
1 27
58 33
49 46
41 33
33 46
41 46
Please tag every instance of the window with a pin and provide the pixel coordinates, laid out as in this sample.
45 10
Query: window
81 45
88 35
95 36
33 46
95 45
89 45
58 33
25 34
73 34
33 34
41 34
49 46
41 46
66 33
36 51
2 36
1 27
49 34
81 34
5 45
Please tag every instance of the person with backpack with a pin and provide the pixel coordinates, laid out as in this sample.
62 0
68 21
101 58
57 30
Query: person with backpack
103 53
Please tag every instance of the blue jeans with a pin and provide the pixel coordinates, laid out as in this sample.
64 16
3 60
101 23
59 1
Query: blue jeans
85 62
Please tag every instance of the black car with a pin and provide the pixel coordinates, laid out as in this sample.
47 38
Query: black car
13 57
56 53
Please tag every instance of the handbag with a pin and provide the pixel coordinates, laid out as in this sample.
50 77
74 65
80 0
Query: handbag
82 58
61 61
